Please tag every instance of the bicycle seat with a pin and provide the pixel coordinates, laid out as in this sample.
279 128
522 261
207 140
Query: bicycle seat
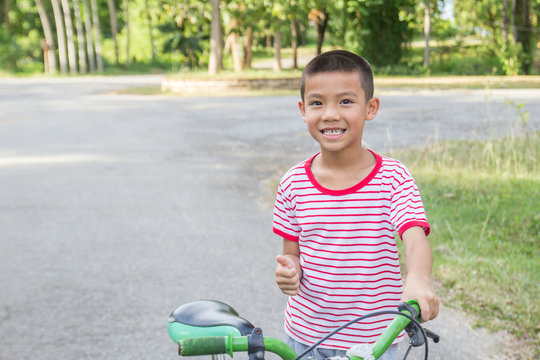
211 314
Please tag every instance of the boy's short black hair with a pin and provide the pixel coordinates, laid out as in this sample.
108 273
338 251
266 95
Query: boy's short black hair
343 61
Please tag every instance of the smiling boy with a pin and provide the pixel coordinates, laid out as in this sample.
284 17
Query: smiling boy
337 213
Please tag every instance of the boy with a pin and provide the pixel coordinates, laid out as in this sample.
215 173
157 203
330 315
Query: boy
337 213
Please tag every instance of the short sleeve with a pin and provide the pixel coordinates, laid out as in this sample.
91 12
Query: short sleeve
285 223
407 209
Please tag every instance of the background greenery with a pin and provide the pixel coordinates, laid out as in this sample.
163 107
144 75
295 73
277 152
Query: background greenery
482 199
466 36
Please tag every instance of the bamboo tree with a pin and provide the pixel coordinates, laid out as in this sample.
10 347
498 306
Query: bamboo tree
60 34
72 57
49 57
80 36
97 35
89 41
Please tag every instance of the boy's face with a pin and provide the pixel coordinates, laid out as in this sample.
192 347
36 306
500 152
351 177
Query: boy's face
335 110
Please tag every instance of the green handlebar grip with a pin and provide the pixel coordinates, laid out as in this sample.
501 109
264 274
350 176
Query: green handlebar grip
205 346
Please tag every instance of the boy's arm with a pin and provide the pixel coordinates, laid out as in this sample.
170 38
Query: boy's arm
419 263
288 270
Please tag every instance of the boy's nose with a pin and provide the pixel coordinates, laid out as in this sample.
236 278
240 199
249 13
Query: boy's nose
330 113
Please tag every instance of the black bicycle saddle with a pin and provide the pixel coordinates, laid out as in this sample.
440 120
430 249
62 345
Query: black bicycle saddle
207 313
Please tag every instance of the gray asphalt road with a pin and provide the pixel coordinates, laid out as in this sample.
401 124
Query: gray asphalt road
115 209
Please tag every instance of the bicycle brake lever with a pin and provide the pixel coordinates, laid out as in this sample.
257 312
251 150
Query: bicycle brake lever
430 334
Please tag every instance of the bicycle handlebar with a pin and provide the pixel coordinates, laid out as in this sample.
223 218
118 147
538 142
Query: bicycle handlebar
229 344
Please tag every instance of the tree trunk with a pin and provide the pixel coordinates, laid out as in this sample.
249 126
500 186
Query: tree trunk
215 63
515 32
235 50
128 55
150 30
526 37
97 35
114 28
59 21
49 58
72 55
248 47
80 36
277 46
321 30
427 31
89 40
294 41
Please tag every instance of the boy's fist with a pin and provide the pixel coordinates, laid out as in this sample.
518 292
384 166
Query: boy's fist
287 275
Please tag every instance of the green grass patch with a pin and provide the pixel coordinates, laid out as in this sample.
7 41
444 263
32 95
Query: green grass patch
483 202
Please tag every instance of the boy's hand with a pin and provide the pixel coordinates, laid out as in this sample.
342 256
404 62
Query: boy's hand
419 288
288 274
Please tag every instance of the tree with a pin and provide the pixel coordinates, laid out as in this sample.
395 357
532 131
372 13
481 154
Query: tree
114 28
380 31
427 30
49 59
89 40
59 21
320 17
512 41
80 36
7 7
127 26
97 34
522 30
215 63
150 30
72 57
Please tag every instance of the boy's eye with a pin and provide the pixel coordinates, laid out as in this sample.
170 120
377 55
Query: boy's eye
346 101
316 103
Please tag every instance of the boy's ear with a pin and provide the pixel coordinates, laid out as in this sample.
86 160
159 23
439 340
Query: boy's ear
302 109
372 108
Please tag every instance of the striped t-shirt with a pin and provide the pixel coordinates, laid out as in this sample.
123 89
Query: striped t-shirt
348 251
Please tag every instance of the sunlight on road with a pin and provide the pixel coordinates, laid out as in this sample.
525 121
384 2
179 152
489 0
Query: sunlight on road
54 159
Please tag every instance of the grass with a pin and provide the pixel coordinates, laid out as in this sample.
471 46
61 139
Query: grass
483 201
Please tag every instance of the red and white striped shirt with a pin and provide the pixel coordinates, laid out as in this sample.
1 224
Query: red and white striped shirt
348 251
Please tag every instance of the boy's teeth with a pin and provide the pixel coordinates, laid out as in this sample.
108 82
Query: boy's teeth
333 132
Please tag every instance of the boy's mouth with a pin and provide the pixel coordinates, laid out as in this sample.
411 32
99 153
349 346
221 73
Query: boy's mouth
332 132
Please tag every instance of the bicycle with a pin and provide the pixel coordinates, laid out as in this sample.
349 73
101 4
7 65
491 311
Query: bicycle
208 327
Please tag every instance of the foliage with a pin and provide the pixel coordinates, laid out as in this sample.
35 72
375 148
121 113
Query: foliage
383 31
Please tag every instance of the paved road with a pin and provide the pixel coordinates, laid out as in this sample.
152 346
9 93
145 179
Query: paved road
115 209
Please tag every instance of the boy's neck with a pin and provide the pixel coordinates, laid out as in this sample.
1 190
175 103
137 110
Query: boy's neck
338 161
337 172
